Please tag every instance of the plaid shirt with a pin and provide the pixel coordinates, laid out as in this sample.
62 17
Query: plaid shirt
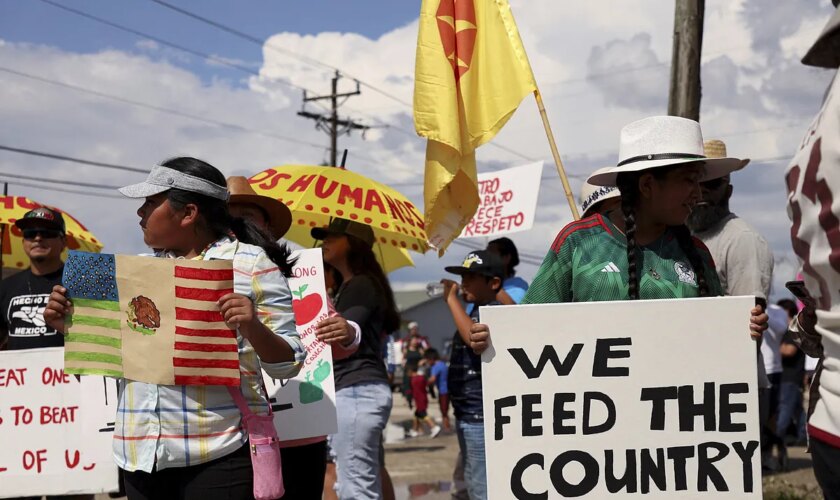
164 426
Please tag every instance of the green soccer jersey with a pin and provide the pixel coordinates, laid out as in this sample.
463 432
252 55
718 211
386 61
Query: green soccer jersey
588 263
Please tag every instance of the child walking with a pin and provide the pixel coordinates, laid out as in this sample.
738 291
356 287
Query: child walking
421 402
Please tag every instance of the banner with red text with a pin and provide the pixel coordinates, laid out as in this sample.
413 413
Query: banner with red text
55 428
508 201
304 406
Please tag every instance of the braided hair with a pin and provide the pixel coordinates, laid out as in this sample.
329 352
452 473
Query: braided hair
628 185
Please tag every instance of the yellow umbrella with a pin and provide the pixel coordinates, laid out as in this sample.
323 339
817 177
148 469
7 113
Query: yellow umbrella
12 208
317 194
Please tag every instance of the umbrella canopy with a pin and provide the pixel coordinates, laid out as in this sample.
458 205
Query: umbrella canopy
317 194
12 208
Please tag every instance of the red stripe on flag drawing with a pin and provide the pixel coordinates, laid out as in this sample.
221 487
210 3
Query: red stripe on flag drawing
191 346
204 380
195 332
233 364
183 292
191 273
182 313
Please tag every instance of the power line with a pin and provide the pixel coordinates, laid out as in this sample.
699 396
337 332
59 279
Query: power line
75 160
61 190
314 62
159 108
56 181
167 43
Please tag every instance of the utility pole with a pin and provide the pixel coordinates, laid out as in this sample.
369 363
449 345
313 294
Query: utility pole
685 93
331 123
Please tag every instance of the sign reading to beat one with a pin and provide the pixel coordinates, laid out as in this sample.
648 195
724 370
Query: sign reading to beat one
56 429
508 202
304 406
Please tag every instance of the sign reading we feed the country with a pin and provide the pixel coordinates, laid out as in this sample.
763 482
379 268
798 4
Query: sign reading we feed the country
508 201
55 429
659 401
304 406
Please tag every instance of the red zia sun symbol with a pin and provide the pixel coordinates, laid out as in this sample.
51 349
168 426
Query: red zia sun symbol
456 23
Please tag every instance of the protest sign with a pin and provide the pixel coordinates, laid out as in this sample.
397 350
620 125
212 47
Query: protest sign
148 319
305 405
508 201
622 399
55 430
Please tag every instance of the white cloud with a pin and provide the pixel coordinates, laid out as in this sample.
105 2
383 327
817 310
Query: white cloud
756 97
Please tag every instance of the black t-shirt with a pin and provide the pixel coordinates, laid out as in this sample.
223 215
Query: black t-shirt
360 300
23 298
793 367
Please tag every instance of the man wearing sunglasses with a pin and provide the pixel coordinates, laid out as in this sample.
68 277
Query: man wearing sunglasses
24 295
744 264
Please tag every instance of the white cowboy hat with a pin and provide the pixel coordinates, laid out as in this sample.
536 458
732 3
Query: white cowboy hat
661 141
591 195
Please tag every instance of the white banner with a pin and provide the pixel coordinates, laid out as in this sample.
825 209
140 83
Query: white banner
508 201
55 430
305 405
654 398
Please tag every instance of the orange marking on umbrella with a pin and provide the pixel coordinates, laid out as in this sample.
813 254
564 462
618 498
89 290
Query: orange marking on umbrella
326 210
394 242
415 247
19 264
354 216
339 213
309 207
384 225
402 244
301 222
312 224
384 240
368 220
289 203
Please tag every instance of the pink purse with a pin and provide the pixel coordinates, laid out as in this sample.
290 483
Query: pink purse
265 449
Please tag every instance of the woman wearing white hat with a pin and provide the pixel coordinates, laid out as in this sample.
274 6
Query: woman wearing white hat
644 250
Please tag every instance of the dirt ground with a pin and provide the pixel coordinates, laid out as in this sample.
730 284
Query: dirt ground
421 468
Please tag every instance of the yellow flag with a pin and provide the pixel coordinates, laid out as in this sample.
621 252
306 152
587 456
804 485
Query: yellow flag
471 73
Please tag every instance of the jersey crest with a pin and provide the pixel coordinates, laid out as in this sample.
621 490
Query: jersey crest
685 273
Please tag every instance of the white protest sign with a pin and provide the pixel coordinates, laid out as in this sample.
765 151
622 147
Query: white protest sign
55 430
508 201
304 406
653 398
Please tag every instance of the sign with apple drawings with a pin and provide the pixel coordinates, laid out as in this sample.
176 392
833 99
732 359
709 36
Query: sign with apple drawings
304 406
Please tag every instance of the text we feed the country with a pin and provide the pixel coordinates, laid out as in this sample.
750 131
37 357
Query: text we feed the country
709 420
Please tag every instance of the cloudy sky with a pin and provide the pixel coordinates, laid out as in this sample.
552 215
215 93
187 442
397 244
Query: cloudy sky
76 86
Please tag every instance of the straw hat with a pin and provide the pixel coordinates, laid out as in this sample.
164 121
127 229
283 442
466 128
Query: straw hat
825 53
662 141
591 195
716 148
279 215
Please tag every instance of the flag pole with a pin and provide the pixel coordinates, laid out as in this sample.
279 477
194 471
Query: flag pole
557 161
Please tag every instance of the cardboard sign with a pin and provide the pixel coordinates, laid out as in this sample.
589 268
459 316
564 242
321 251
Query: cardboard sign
304 406
148 319
508 202
55 430
622 399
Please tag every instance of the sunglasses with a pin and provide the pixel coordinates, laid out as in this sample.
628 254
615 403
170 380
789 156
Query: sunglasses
31 234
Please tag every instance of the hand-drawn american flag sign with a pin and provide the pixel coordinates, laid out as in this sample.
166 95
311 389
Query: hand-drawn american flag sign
149 319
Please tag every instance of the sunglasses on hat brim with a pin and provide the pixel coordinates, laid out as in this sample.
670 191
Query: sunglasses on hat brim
31 234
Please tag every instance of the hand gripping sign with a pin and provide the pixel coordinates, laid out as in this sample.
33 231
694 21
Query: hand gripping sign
660 401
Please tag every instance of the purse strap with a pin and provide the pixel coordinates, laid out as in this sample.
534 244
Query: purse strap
239 399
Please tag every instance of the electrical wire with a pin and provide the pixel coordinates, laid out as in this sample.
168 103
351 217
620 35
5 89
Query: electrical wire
61 190
57 181
71 159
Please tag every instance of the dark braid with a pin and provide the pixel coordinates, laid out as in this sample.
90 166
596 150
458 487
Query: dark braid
628 185
686 243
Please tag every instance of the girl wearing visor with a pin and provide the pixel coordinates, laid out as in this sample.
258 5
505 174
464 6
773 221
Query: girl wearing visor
187 441
642 250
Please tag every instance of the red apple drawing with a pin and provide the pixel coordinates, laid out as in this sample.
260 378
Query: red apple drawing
306 308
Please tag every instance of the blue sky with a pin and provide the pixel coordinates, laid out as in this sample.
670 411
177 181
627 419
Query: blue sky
37 22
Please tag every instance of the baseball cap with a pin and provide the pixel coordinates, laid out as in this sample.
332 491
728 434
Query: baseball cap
42 217
480 262
345 226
